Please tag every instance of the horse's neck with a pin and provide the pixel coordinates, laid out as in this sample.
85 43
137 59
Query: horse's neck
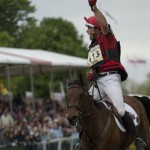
95 122
97 113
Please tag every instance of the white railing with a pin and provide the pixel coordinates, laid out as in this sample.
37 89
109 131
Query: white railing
71 142
54 144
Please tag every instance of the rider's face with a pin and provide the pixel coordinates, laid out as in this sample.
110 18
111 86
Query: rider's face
90 32
93 32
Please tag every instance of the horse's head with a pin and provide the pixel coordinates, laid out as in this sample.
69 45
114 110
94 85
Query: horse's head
75 99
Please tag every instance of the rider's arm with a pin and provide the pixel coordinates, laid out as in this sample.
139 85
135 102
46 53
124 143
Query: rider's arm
99 16
101 20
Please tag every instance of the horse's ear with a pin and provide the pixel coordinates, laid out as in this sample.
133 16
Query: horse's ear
81 78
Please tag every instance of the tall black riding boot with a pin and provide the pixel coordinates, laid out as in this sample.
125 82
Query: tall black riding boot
130 127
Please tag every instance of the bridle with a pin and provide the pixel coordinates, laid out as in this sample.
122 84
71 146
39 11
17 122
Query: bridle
82 113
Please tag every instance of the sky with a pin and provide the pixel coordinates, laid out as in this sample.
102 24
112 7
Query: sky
130 24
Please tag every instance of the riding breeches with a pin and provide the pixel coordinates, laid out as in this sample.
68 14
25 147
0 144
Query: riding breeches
109 85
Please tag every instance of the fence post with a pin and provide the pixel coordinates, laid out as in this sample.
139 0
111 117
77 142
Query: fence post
59 144
44 145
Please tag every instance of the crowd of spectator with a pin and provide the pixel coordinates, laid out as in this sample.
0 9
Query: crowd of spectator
26 124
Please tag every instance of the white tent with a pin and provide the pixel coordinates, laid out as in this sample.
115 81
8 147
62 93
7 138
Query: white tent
8 59
14 61
41 61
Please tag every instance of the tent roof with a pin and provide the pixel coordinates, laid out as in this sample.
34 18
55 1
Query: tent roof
19 61
8 59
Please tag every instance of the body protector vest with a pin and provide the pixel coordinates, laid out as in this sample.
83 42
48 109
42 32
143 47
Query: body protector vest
98 55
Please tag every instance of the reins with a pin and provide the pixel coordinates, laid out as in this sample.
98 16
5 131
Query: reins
90 142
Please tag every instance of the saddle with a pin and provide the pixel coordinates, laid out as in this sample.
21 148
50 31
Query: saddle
114 111
109 105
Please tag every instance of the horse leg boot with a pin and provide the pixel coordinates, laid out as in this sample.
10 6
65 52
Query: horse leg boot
130 127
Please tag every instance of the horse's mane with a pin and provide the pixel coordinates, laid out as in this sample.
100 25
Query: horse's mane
77 82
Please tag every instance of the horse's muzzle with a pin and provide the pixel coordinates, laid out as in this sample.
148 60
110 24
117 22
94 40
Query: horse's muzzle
73 120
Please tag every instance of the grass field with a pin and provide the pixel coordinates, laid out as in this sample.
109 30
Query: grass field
132 147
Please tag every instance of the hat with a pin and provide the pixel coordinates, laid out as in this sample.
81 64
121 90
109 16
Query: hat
92 22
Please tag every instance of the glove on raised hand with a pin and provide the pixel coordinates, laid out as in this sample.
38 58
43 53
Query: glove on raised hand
92 4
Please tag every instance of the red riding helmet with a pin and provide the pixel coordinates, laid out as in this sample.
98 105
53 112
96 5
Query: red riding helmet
92 22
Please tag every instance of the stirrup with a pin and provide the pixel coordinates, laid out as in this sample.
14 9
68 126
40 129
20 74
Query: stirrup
140 144
77 146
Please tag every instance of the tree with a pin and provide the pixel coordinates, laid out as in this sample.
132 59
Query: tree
54 34
14 13
19 29
6 40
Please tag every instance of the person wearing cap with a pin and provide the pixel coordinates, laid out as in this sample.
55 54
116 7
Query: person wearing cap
106 68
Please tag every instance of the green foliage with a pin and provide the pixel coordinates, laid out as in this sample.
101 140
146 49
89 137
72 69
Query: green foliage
13 13
6 40
55 35
41 84
19 29
20 84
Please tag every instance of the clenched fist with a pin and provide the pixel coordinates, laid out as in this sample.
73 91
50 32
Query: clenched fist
92 2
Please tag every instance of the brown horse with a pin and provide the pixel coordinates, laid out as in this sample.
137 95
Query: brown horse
99 129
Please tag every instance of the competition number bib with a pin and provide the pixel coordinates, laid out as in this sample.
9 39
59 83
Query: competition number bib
94 56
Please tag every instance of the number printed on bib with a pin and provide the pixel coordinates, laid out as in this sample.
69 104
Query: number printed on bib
94 56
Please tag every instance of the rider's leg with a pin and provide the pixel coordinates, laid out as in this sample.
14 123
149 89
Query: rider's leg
112 87
94 91
111 84
129 124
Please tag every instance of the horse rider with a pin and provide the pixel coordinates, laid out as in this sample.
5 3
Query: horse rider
106 68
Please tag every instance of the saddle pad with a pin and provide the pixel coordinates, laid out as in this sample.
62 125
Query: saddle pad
133 114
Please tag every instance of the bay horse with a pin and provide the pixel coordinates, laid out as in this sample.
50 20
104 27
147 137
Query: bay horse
99 129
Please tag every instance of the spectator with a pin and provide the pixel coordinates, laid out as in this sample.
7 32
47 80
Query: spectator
2 139
31 126
6 118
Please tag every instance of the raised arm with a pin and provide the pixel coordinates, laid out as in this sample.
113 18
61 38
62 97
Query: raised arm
99 16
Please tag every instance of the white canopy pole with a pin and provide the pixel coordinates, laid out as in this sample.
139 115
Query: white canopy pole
32 87
52 89
9 88
70 73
